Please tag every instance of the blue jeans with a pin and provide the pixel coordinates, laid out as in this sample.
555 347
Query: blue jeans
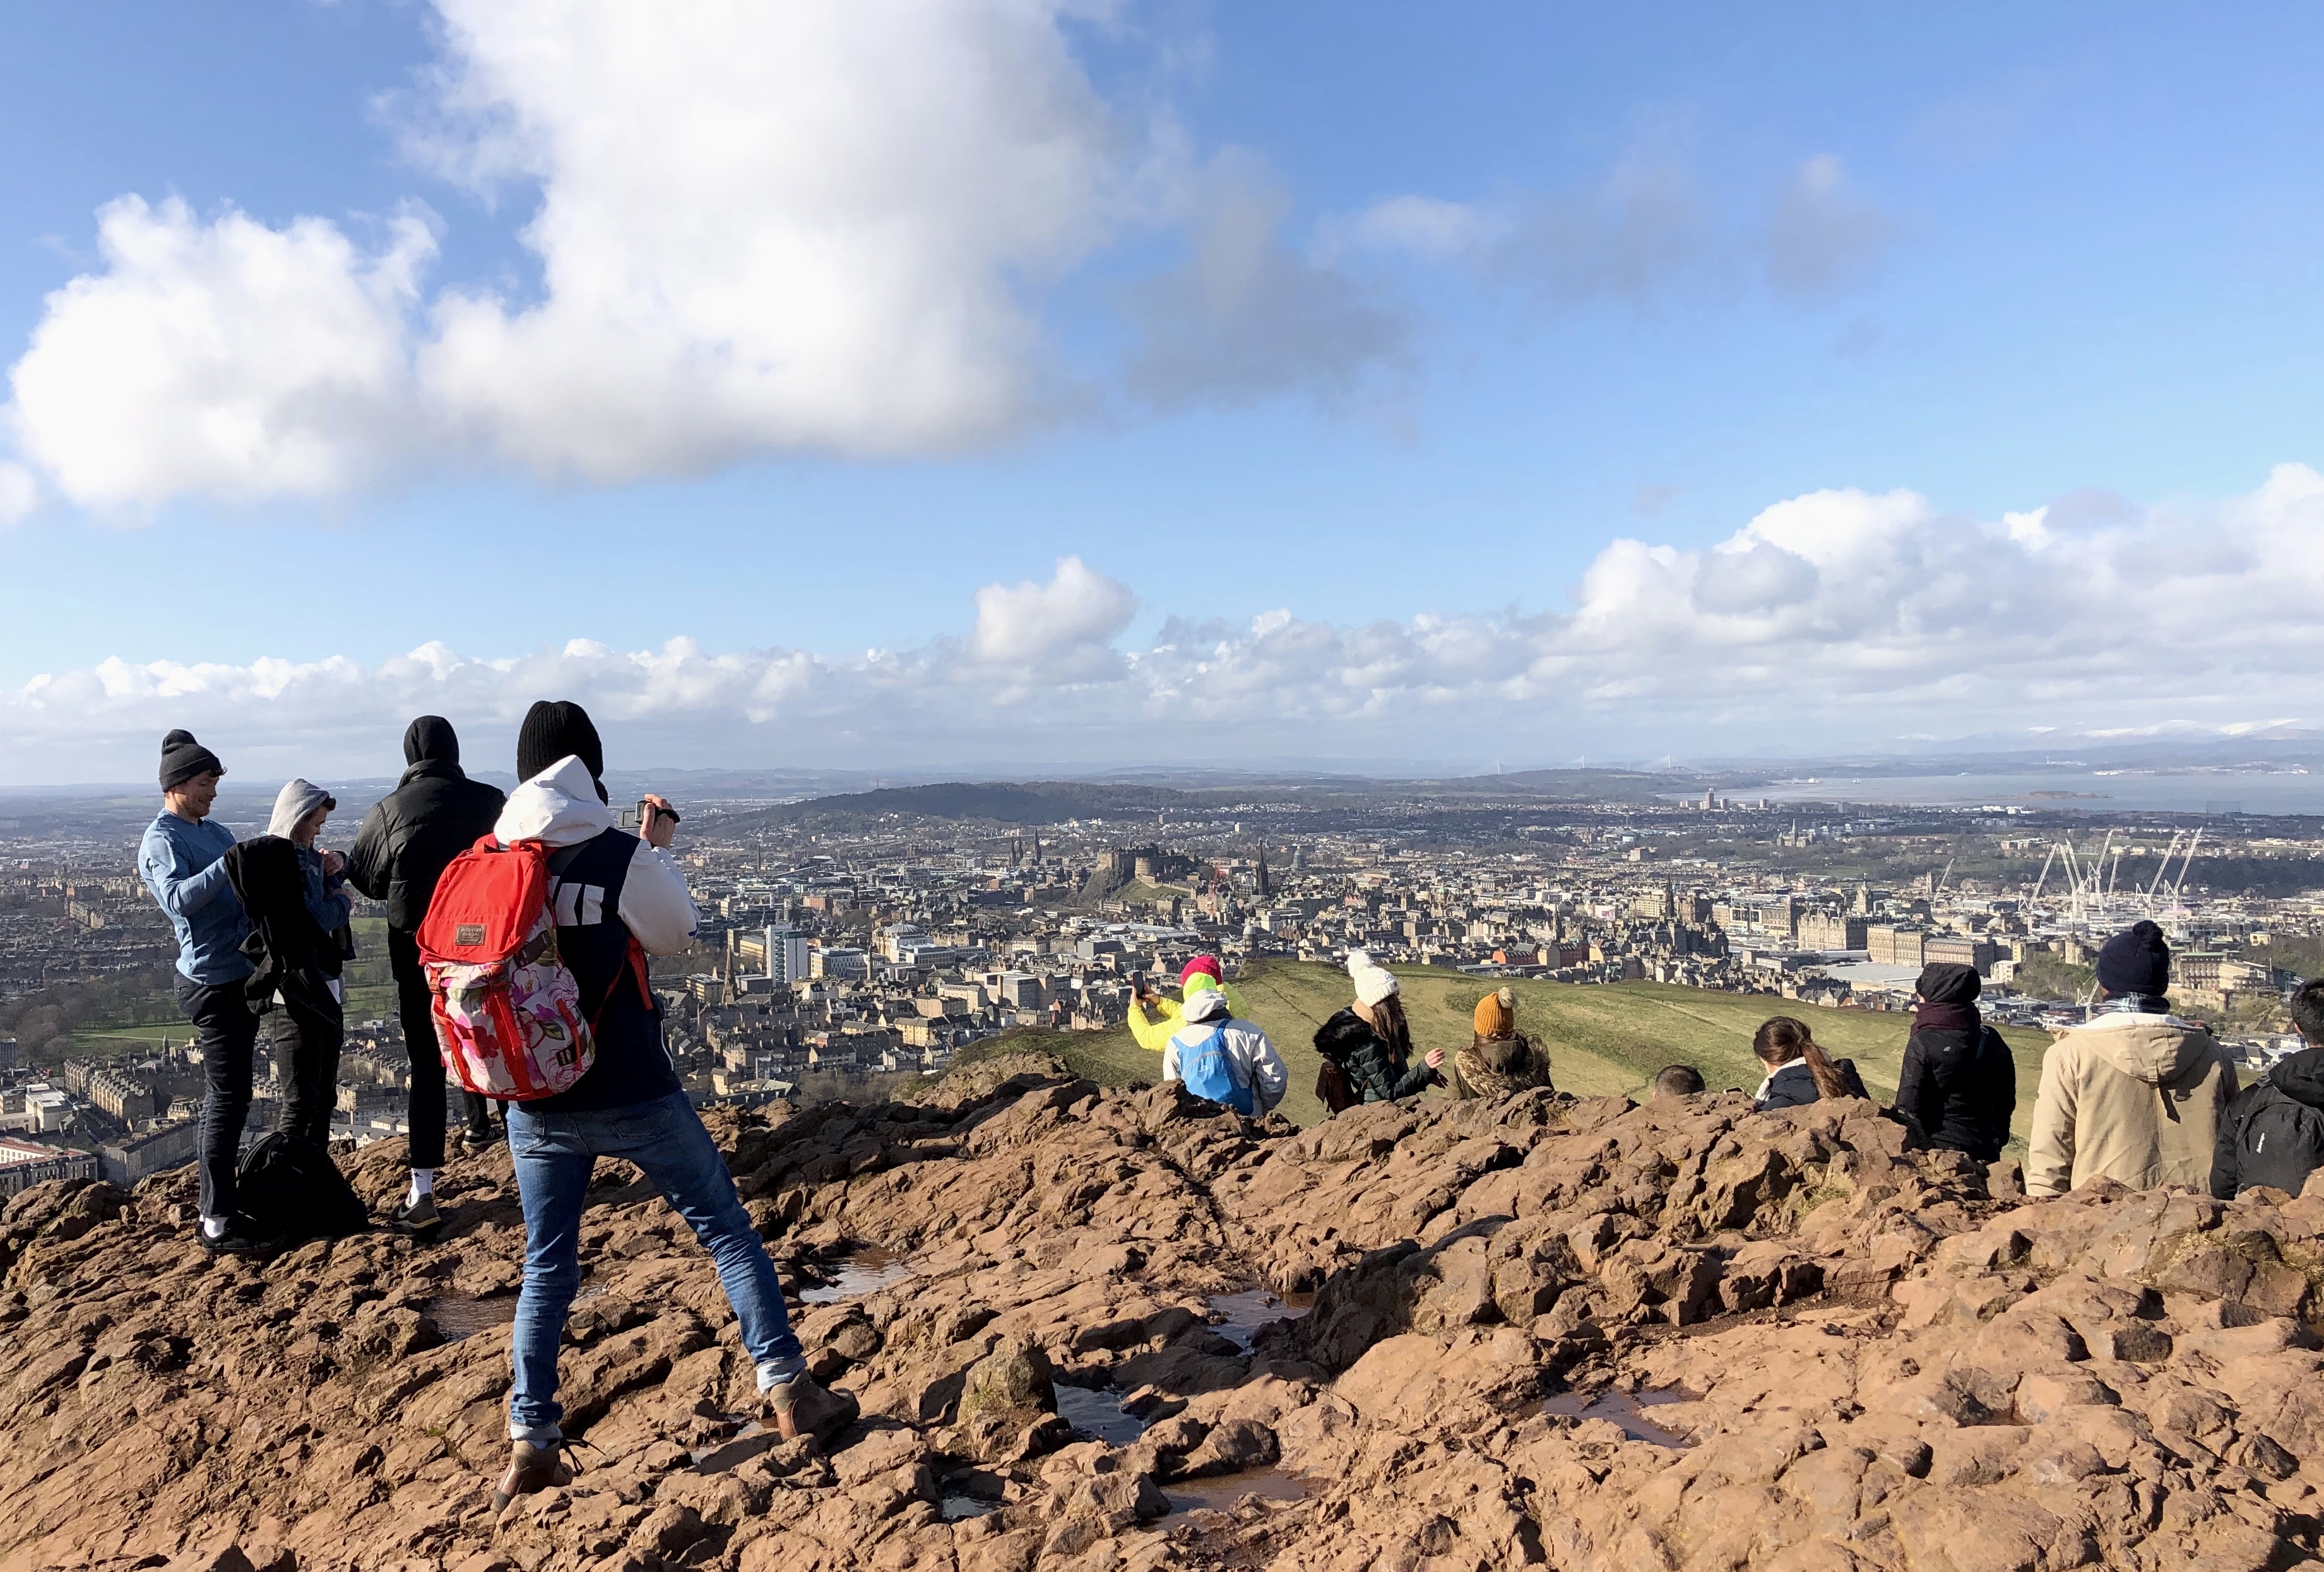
555 1154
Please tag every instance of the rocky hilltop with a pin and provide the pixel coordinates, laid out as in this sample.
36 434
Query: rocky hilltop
1541 1332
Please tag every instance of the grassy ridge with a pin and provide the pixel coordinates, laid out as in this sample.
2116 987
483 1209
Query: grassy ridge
1607 1039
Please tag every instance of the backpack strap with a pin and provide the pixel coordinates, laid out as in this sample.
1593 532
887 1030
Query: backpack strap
559 861
1185 1046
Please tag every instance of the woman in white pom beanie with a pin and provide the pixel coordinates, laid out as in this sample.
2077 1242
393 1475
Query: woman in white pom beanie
1369 1043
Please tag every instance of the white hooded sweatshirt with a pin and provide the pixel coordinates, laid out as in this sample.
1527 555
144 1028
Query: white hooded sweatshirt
559 808
1253 1059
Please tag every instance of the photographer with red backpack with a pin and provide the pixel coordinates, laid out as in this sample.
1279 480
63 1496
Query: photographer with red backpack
594 1043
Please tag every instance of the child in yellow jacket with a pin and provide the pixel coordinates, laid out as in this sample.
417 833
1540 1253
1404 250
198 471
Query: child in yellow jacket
1153 1032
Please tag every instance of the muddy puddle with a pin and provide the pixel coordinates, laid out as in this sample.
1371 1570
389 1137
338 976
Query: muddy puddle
463 1315
1625 1409
1223 1491
868 1271
957 1507
1252 1308
1099 1415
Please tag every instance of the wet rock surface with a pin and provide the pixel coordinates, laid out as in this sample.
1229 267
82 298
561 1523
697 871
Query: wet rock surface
1543 1332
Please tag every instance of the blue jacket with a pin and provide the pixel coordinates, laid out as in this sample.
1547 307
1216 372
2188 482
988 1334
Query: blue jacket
179 860
327 901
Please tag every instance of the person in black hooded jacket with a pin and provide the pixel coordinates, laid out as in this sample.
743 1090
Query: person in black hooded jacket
2272 1133
1371 1044
1959 1079
407 840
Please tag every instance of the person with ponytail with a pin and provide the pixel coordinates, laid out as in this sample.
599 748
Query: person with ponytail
1799 1072
1369 1044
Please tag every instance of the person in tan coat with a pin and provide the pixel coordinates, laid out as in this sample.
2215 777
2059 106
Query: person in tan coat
2136 1094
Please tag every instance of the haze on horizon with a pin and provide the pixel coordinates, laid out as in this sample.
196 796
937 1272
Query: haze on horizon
908 385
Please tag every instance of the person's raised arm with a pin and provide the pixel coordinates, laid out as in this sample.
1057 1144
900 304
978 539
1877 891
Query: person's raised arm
179 893
656 906
1153 1032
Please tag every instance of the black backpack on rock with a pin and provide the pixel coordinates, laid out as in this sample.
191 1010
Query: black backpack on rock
290 1190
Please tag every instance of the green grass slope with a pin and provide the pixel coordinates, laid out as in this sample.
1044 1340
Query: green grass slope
1603 1040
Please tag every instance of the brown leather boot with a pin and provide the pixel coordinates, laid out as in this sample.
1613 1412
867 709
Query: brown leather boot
801 1408
530 1469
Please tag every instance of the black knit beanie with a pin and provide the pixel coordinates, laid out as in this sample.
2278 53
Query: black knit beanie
182 759
2136 962
551 731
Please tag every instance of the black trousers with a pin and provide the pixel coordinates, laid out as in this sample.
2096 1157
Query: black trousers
225 1031
426 1112
307 1030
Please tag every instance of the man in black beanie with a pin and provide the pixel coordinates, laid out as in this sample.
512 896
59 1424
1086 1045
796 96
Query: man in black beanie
407 840
557 730
618 898
182 860
2135 1094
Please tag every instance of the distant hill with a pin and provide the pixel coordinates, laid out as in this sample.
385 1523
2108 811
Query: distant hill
1046 802
1599 785
1050 802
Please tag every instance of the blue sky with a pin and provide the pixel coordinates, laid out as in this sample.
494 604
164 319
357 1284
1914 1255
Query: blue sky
1336 346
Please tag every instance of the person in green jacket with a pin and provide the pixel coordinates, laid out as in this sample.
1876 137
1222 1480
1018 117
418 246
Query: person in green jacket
1155 1030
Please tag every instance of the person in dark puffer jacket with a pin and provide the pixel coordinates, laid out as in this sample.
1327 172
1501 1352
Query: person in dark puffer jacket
2272 1133
407 840
1370 1041
1959 1079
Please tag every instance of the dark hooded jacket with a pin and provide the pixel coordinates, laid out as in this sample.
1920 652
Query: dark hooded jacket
2272 1133
1959 1079
1364 1056
285 945
411 835
1794 1085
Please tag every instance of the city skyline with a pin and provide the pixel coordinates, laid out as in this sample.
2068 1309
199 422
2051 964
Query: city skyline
1151 383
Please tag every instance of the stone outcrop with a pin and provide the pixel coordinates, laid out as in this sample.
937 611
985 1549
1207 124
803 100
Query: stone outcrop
1543 1332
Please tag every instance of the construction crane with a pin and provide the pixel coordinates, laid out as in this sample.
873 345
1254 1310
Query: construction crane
2093 879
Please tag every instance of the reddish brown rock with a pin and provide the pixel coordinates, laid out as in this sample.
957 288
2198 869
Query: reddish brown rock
1775 1341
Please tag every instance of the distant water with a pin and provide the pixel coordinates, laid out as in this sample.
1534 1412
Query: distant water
2172 791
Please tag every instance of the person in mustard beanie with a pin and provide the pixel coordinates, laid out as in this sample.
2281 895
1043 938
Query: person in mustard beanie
1498 1060
1168 1016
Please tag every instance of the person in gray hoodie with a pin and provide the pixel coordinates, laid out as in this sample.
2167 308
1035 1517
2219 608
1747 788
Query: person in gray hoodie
1229 1061
309 1026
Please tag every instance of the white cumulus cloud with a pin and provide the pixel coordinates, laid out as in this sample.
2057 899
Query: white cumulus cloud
1065 628
766 226
1831 619
758 227
221 357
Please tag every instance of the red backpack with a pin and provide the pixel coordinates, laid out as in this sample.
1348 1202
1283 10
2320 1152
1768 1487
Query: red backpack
507 1010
